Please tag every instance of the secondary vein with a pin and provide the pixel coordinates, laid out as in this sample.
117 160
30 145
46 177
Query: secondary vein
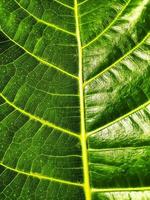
64 4
46 23
120 118
121 189
42 121
107 28
117 61
39 176
40 59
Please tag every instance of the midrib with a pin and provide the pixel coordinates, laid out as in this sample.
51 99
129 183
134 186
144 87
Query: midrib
82 113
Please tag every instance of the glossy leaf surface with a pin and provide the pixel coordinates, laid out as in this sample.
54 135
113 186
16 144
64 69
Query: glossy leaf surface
75 99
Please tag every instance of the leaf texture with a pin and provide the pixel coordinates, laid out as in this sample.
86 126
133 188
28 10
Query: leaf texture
75 99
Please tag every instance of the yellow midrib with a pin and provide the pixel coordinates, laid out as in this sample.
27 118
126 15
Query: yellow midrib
86 185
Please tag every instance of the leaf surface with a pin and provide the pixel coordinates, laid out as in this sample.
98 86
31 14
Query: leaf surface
75 99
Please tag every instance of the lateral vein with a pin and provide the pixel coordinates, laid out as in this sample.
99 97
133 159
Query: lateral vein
121 189
40 59
119 60
64 4
107 28
118 148
83 2
36 118
120 118
44 22
54 94
39 176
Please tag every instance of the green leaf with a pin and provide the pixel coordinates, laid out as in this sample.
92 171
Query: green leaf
75 99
